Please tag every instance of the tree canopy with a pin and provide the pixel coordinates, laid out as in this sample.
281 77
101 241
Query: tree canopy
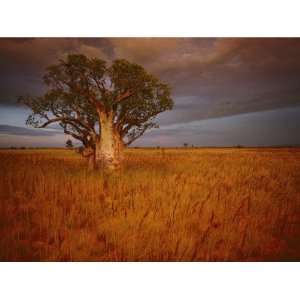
79 86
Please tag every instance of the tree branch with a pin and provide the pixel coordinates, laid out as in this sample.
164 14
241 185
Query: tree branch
124 96
133 138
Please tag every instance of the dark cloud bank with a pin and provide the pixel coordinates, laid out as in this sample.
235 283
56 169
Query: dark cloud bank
210 78
22 131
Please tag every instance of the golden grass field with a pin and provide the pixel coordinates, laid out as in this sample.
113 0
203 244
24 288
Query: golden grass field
165 205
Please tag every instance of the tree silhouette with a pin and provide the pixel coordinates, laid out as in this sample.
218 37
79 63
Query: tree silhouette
108 106
69 144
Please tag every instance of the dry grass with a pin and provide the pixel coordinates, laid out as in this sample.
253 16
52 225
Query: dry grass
166 205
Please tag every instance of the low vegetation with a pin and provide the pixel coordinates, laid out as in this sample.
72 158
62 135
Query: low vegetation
164 205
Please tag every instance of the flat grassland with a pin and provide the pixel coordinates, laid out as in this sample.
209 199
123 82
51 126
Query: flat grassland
165 205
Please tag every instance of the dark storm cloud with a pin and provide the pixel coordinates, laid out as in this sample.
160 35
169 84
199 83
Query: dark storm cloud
209 77
23 62
22 131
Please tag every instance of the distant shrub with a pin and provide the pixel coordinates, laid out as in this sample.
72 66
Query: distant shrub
69 144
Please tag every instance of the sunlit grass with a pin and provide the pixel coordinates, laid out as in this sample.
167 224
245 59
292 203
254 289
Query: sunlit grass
166 205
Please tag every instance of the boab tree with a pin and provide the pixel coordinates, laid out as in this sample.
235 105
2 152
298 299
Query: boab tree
123 98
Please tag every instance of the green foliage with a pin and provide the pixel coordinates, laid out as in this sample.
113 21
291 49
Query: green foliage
78 88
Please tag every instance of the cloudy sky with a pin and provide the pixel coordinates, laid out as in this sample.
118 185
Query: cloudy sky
226 91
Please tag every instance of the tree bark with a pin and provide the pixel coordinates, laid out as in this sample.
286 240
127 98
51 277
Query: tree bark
109 148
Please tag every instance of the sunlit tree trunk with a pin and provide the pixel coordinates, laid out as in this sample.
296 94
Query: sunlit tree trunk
109 148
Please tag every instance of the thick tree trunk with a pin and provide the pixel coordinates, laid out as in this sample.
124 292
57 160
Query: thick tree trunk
109 148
